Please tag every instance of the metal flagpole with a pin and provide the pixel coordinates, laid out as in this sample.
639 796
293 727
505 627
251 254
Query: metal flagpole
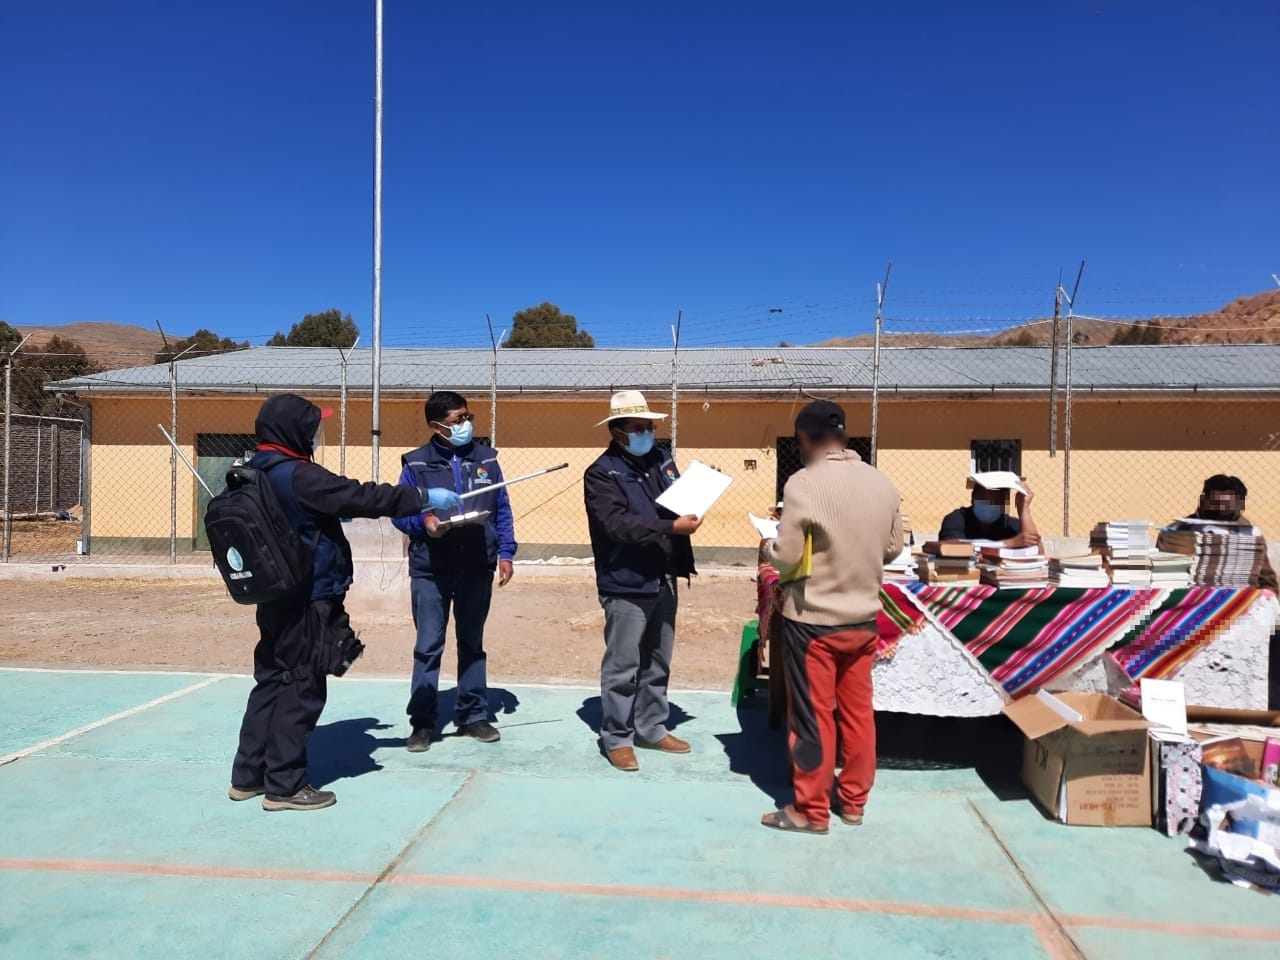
881 290
376 427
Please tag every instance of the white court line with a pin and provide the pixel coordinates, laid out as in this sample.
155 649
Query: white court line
523 684
128 672
131 711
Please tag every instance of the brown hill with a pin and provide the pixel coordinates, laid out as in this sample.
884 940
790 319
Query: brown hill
1254 319
111 345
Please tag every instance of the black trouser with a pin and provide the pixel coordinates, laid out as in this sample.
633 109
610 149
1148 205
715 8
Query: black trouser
1273 673
288 695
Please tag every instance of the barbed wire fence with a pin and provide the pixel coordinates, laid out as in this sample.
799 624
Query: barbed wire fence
84 475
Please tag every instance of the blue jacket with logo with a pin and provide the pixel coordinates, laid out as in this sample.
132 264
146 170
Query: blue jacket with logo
315 498
471 547
631 536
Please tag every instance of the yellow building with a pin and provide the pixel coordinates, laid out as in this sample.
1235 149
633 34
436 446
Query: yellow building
1147 425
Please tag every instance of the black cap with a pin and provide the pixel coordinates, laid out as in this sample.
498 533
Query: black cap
821 418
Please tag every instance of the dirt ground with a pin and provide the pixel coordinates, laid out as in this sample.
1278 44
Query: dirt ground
545 628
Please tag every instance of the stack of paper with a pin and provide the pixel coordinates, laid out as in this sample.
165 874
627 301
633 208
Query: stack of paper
1171 570
1223 554
1084 571
1125 538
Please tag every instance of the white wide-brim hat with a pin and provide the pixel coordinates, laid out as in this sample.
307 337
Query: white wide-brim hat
629 404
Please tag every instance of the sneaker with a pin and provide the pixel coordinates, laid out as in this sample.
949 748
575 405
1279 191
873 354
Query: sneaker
420 740
246 793
308 798
481 730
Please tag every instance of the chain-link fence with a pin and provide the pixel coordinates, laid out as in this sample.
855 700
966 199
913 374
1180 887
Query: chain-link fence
91 476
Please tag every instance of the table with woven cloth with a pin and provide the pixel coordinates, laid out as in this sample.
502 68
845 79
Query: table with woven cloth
967 651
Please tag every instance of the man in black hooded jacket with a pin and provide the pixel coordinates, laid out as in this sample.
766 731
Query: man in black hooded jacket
289 662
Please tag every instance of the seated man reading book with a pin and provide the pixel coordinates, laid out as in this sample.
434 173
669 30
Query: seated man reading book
987 517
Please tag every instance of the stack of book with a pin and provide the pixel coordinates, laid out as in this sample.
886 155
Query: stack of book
1013 567
1124 538
947 562
1082 571
1223 554
902 568
1126 546
1171 570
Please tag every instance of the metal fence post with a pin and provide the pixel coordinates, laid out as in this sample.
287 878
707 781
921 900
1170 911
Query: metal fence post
675 384
173 463
8 415
881 290
86 484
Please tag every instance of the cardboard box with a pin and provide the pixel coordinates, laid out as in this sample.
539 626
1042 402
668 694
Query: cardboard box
1085 758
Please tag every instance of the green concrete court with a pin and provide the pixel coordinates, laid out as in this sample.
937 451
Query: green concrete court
119 841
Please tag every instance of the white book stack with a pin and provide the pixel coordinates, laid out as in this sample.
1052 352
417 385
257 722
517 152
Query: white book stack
1080 572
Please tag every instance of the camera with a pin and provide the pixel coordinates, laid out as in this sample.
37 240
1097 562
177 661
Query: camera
348 651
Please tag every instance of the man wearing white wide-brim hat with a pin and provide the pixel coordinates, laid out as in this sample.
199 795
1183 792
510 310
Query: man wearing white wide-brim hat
640 550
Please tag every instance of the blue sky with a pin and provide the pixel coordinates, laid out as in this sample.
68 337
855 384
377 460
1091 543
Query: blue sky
210 163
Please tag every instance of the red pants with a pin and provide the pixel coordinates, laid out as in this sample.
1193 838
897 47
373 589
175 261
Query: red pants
829 669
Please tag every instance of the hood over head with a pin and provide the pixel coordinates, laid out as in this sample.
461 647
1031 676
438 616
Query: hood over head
290 421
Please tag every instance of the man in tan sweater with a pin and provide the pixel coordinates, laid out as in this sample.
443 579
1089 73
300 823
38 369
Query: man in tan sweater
841 522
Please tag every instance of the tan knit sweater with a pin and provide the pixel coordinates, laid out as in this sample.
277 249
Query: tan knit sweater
851 510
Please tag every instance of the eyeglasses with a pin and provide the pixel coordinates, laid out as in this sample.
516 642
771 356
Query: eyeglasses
636 426
460 418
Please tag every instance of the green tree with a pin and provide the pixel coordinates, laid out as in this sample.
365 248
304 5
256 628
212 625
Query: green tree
328 329
545 326
201 343
59 359
9 338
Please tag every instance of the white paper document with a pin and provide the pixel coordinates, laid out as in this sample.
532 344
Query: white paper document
1164 702
998 480
695 491
768 529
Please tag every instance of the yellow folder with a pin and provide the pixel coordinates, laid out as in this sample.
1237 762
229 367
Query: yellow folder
805 568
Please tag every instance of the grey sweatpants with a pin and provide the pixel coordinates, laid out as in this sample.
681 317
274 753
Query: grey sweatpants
639 634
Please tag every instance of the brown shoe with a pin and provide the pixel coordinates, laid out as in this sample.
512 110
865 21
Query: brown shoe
624 758
668 744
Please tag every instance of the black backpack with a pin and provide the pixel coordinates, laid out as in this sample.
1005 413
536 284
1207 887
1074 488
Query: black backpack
255 542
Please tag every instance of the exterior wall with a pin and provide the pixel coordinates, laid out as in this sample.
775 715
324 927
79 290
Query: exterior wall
1133 457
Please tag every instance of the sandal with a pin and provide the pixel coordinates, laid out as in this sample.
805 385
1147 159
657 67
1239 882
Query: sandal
778 820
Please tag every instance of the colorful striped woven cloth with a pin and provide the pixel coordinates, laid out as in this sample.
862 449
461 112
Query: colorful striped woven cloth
898 613
1026 638
1178 628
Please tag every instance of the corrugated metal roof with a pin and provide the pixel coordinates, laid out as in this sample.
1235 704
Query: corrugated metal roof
1246 367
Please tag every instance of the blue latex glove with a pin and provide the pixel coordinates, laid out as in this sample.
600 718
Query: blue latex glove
439 498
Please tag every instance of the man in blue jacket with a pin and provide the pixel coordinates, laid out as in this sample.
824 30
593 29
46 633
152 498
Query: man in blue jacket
640 549
299 635
452 566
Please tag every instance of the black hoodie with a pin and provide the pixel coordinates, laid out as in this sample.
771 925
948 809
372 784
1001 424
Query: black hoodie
285 426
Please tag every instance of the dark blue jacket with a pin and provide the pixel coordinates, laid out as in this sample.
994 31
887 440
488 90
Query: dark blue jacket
315 498
631 536
472 547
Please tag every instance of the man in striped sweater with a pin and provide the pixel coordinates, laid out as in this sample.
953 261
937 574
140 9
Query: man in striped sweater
841 522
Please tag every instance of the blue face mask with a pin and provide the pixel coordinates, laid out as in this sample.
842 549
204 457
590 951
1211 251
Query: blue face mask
638 444
460 433
987 512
